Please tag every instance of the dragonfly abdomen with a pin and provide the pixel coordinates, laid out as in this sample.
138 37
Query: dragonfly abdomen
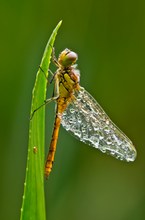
52 149
62 104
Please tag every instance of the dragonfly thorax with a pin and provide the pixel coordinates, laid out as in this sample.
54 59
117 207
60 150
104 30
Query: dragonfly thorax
68 81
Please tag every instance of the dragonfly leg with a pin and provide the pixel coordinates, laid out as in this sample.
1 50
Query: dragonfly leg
45 103
49 71
43 73
55 97
51 80
54 59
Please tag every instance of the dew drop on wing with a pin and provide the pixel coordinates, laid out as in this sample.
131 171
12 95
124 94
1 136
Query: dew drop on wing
86 120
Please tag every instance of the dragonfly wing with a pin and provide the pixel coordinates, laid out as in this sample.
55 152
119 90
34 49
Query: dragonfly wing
86 120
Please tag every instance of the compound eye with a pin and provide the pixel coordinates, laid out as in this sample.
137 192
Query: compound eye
67 58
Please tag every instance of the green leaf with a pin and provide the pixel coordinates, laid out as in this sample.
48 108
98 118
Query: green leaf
33 205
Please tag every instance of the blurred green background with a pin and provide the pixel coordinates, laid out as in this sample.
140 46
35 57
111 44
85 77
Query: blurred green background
109 37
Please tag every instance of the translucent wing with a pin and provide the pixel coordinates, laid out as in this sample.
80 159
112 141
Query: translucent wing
87 121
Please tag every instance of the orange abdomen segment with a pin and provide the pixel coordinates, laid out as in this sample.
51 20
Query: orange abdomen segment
52 149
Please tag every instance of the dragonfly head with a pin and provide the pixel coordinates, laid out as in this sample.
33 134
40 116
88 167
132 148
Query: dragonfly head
67 58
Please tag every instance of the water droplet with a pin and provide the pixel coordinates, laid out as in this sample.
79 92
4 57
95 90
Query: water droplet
72 110
101 137
70 120
107 121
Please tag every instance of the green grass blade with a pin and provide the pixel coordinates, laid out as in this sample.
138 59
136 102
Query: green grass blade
33 205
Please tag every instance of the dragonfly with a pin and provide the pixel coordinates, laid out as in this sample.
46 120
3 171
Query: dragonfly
82 116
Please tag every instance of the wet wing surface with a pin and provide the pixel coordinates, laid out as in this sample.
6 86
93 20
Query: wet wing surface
86 120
